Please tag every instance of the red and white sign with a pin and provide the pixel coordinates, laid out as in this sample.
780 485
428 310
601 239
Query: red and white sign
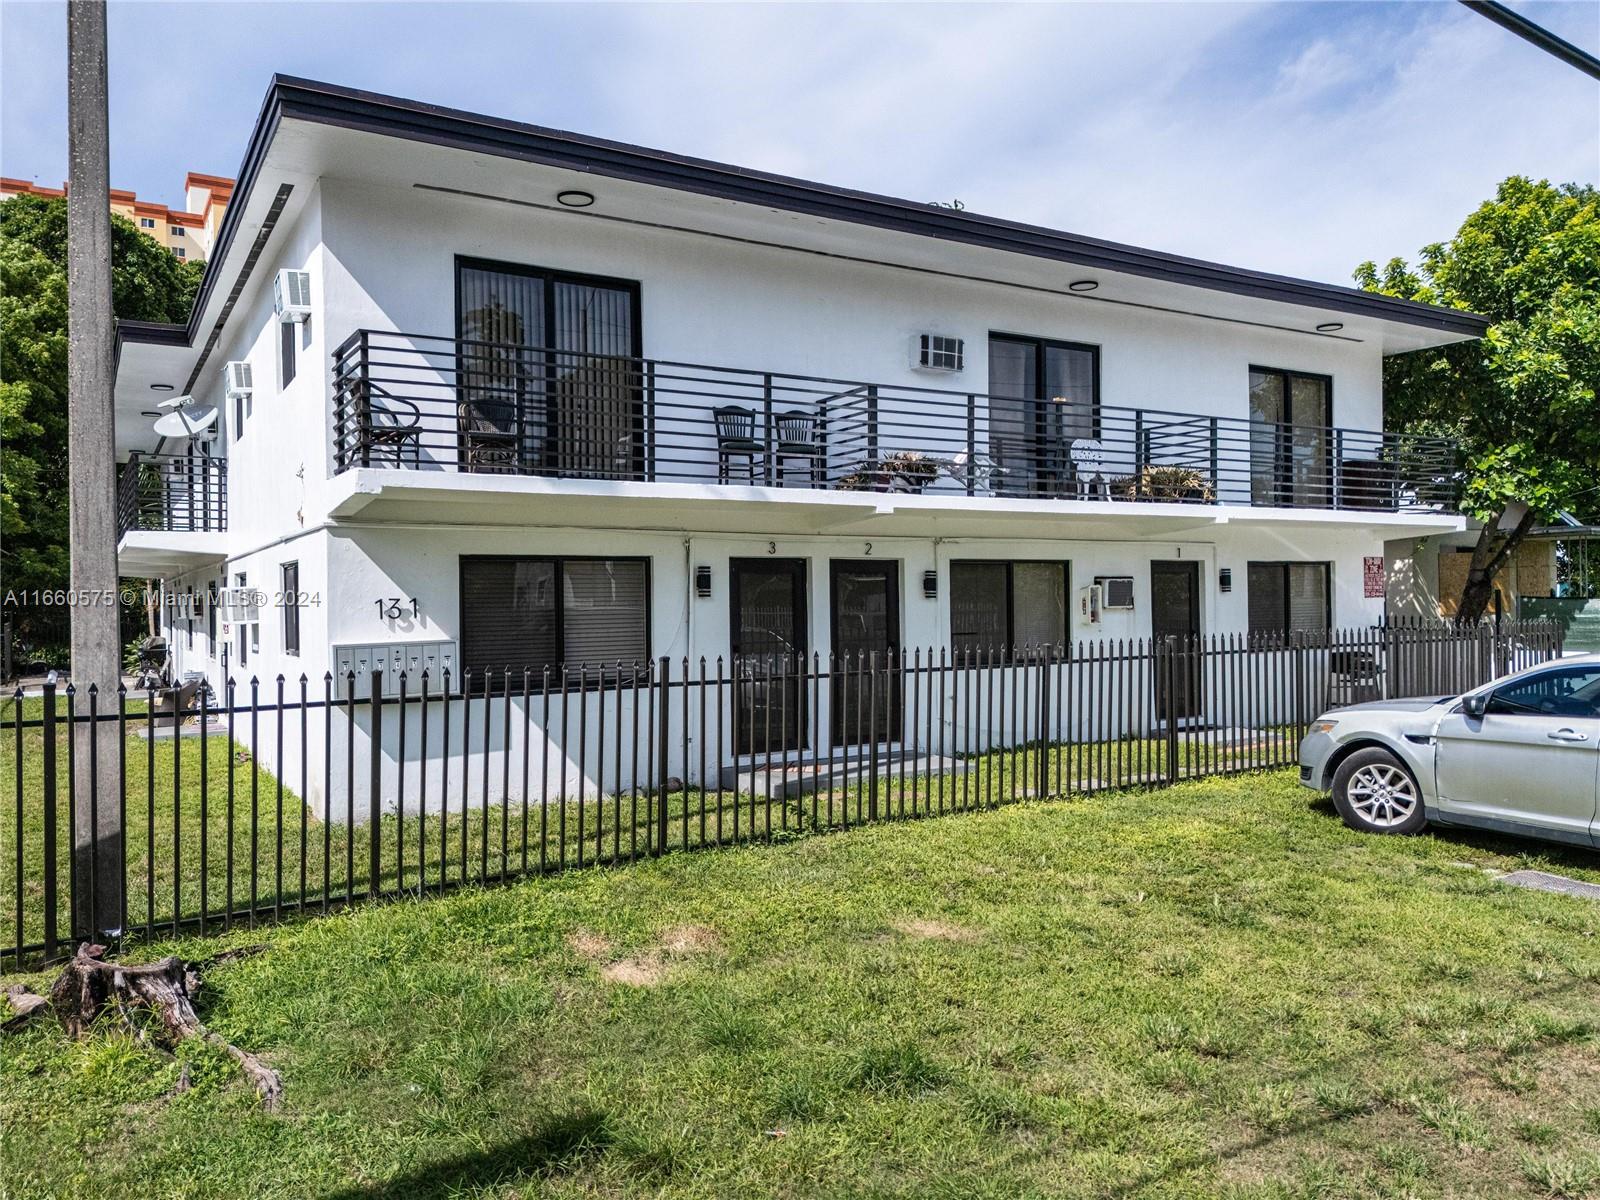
1372 576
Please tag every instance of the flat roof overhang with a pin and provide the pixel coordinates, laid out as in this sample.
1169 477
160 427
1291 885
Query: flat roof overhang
429 498
157 554
308 131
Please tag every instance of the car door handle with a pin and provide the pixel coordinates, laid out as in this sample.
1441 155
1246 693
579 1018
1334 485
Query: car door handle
1567 735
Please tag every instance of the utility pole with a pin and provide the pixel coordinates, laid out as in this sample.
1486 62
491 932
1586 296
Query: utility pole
97 846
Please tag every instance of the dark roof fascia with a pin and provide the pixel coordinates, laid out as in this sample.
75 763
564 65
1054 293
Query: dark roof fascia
309 100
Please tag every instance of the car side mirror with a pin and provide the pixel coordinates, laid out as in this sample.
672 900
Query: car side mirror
1475 705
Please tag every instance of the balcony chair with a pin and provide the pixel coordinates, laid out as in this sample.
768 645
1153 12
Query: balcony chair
736 438
489 437
797 438
1088 458
394 431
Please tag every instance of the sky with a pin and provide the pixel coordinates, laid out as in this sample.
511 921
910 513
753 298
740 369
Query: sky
1299 137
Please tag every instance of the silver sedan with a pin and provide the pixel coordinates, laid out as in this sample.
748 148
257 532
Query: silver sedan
1520 755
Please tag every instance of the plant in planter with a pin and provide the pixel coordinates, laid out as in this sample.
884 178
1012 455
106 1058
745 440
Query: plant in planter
1165 483
902 471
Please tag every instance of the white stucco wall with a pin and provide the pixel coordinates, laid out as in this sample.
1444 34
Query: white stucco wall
385 259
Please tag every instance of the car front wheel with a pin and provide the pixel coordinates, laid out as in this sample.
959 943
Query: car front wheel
1375 793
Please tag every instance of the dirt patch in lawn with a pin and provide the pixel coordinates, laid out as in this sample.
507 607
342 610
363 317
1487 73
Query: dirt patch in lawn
930 930
650 967
595 947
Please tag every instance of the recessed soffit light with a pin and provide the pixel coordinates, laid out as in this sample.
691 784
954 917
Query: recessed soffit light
575 199
1083 285
1330 327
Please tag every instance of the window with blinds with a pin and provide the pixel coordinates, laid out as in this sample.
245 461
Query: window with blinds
531 613
1007 604
290 606
1288 597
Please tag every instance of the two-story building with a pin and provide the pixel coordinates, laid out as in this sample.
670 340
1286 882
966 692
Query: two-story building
492 396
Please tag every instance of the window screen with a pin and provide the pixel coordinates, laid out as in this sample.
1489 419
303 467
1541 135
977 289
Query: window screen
291 607
1288 596
978 605
533 613
1007 604
286 336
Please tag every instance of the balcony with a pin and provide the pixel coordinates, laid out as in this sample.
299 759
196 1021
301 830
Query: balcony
449 405
172 510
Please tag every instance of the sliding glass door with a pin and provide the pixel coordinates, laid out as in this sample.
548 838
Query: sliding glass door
1043 396
1291 462
546 381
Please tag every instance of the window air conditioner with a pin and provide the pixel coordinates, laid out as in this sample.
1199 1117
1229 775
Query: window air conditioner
938 352
291 295
236 380
1116 591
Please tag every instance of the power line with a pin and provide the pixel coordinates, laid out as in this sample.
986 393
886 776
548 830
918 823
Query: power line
1538 35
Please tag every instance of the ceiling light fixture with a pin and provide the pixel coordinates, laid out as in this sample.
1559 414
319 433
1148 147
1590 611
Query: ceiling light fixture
1330 327
161 387
1083 285
575 199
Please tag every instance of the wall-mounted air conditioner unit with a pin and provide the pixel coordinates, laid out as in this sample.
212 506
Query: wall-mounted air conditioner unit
291 295
938 352
1116 591
236 380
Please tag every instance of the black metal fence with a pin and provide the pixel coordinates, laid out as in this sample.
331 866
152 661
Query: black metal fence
296 797
184 493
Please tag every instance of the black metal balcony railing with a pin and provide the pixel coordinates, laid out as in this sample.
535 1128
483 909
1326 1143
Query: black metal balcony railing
447 404
174 492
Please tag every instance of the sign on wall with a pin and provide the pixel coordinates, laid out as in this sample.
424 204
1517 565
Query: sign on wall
1372 576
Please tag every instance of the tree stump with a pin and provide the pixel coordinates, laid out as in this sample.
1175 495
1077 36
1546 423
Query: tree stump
88 987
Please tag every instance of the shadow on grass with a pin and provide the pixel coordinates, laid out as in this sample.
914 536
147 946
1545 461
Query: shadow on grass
1487 841
560 1143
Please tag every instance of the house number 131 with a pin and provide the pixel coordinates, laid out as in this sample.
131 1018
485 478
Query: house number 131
393 607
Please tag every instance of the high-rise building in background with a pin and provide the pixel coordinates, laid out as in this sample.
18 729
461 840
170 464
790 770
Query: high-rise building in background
187 232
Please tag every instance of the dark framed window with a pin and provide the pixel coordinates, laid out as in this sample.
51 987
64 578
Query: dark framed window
1044 395
241 581
546 378
1001 604
291 607
211 616
286 350
1291 450
531 613
1290 597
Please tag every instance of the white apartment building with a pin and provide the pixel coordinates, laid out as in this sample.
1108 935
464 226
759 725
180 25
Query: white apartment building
492 396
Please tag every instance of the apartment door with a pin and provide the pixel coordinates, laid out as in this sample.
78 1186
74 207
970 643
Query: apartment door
1043 396
767 602
546 377
1175 624
1291 459
865 598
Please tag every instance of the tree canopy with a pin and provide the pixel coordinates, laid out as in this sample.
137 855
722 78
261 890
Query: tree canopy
148 283
1522 402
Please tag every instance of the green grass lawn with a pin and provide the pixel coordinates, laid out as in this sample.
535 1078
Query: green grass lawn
241 844
1212 989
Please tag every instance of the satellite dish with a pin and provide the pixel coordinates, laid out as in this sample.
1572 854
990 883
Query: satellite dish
186 423
176 402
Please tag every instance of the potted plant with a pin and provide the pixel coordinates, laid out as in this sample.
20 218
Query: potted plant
1165 483
901 471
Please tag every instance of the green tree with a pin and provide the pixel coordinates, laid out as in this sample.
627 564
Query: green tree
148 283
1522 402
